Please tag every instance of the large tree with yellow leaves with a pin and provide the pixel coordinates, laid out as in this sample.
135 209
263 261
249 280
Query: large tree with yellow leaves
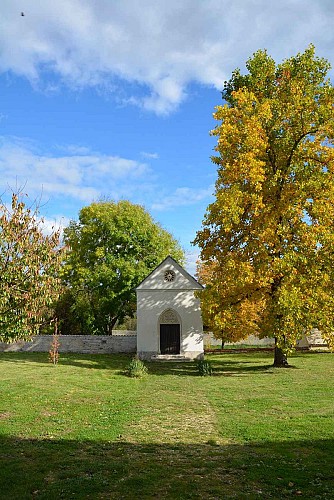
267 241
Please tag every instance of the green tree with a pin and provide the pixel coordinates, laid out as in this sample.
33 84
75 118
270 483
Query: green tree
29 263
111 249
269 234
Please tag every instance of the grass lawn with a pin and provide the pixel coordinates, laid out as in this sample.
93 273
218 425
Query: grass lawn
83 430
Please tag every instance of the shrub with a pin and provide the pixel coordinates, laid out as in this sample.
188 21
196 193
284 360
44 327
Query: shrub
136 368
204 367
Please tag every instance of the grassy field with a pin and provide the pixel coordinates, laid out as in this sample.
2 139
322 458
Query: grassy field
84 430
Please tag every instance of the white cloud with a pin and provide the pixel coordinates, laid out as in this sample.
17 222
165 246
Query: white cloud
192 257
183 196
150 156
159 47
84 177
50 225
74 149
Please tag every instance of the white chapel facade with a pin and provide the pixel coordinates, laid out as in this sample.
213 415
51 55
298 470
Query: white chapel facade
169 322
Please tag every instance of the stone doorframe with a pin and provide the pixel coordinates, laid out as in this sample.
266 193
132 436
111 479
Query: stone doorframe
169 317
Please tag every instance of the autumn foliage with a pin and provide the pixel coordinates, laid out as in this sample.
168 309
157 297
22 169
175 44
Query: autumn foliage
267 241
29 262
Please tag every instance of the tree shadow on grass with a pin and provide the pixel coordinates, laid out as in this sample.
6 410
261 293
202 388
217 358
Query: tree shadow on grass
222 366
90 361
239 367
62 469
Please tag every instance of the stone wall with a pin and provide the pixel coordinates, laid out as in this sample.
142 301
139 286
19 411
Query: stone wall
210 340
122 342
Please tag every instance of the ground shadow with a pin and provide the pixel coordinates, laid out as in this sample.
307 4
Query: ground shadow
88 361
221 366
235 365
51 469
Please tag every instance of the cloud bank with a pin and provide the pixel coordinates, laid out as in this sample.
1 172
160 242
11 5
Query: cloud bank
183 196
148 53
85 177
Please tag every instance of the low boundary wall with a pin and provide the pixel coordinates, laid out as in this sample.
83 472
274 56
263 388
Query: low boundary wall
85 344
210 340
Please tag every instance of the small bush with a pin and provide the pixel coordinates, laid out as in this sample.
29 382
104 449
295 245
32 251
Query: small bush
204 367
136 368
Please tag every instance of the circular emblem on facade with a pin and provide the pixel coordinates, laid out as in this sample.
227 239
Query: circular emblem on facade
169 275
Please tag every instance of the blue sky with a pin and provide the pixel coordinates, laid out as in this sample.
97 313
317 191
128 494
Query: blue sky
114 99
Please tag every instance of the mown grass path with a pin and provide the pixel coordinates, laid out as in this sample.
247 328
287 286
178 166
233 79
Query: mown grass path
84 430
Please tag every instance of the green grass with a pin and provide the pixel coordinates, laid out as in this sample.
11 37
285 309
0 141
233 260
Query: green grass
83 429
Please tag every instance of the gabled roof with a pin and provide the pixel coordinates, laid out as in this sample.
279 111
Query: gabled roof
154 281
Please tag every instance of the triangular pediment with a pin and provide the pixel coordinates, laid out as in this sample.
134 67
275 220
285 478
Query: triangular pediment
169 275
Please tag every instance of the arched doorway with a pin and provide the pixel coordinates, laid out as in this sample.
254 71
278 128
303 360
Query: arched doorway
169 332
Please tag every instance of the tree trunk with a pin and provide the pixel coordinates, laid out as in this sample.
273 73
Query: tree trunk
110 325
223 339
280 359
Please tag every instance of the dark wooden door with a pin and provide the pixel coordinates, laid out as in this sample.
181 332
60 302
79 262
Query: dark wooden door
170 339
